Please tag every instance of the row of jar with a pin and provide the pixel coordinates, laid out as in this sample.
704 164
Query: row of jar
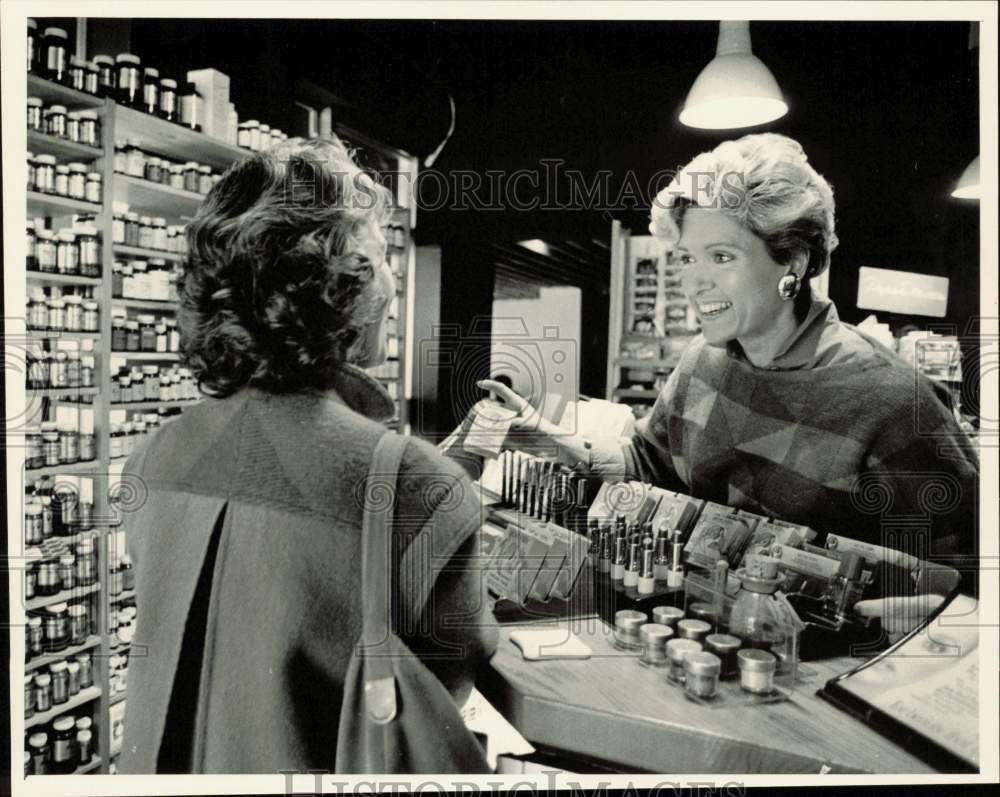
52 444
50 574
72 180
81 127
62 624
59 311
150 280
73 252
149 232
63 511
67 745
118 671
257 136
124 437
60 369
191 176
145 333
151 383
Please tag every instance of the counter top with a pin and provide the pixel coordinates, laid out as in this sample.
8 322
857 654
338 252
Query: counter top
613 710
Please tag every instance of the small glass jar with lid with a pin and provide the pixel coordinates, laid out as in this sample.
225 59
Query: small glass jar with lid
34 46
173 336
74 312
55 46
45 173
88 440
67 572
89 129
150 90
135 158
73 126
159 233
94 190
33 517
168 99
140 279
131 335
50 444
56 627
125 383
36 633
61 186
118 333
161 338
35 115
86 561
151 382
63 752
67 254
60 682
121 158
79 623
118 212
128 71
191 106
145 232
154 170
89 246
31 259
31 164
147 333
57 315
91 316
86 674
92 78
177 176
77 73
43 692
204 179
69 441
45 251
87 379
191 176
132 229
55 120
73 670
77 187
35 458
106 74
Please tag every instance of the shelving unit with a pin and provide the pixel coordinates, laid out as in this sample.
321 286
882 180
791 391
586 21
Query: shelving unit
83 697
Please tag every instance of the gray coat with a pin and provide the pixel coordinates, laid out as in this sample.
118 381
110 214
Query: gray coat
244 528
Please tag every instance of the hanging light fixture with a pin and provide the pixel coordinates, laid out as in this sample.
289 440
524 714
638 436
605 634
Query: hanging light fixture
968 183
736 89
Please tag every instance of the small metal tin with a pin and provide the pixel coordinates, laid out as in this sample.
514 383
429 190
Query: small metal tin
654 638
697 630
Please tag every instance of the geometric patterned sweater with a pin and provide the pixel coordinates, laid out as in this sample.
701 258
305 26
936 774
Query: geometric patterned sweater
840 435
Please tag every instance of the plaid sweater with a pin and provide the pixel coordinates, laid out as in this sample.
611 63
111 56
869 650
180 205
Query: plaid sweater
839 435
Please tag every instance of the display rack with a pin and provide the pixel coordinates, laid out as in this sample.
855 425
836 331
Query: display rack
163 139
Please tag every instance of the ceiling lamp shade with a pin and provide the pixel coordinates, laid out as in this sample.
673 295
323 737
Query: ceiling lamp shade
968 183
735 89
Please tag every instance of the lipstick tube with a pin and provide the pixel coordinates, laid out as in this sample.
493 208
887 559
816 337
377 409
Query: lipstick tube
647 581
631 577
618 562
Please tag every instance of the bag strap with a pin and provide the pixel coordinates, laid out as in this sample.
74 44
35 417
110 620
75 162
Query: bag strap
376 577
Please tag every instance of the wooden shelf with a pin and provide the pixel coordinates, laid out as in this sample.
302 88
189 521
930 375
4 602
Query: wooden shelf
65 595
50 205
138 251
64 149
155 199
85 696
149 356
56 94
153 405
94 466
49 658
62 393
173 140
62 279
146 304
91 766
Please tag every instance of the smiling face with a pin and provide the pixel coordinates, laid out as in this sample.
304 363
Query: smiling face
731 281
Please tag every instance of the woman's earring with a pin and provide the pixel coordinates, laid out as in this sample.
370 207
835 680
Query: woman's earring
788 286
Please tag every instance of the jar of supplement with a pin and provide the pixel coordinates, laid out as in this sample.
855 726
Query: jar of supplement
627 623
204 179
38 746
153 169
34 46
161 337
29 696
128 573
677 651
151 90
55 121
77 73
168 99
135 159
145 232
55 44
701 674
654 638
73 126
61 186
173 336
64 511
38 310
48 516
45 173
69 441
67 255
84 747
151 391
79 623
725 646
177 176
191 110
74 313
265 137
89 129
128 70
693 629
33 522
74 677
160 234
77 188
121 159
118 339
35 456
253 126
243 135
60 682
91 316
106 74
56 627
86 380
147 333
132 229
86 672
46 251
757 668
67 572
35 115
31 171
93 190
88 440
57 315
191 176
118 213
50 443
86 562
85 513
63 754
92 78
36 634
125 382
140 279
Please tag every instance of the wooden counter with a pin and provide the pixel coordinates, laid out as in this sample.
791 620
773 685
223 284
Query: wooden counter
613 710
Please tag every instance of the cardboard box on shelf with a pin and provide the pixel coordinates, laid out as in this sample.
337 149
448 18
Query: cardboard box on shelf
213 86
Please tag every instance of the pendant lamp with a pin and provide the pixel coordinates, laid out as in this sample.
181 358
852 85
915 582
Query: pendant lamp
735 89
968 183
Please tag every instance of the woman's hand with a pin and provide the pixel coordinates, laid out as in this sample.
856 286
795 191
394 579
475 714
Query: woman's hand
899 615
527 418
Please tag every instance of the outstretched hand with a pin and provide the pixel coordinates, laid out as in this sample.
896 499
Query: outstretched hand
527 417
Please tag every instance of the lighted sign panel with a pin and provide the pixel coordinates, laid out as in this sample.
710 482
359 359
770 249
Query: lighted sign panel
902 292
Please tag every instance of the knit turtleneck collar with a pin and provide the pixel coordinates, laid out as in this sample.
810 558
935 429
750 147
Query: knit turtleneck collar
362 393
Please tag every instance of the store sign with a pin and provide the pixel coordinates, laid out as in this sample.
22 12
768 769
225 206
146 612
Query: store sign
902 292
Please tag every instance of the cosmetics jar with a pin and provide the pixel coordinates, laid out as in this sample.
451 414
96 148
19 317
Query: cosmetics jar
757 671
693 629
677 650
627 623
725 646
668 615
701 671
654 638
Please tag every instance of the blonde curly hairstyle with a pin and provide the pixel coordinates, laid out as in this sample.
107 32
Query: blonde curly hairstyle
766 183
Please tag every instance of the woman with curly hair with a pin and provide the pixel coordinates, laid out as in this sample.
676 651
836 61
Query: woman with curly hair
247 545
778 407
